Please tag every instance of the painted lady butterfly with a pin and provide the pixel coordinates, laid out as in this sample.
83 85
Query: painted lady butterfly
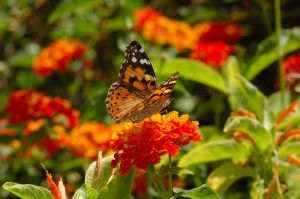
135 96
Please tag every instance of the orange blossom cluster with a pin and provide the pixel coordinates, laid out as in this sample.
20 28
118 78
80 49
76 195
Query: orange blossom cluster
141 144
58 55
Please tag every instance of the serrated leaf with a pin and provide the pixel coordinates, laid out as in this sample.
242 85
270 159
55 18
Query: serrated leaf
292 148
119 187
195 71
213 151
202 192
27 191
251 127
266 52
224 176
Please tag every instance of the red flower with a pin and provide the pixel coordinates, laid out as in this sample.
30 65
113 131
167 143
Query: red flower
58 55
292 69
27 105
141 144
219 31
212 53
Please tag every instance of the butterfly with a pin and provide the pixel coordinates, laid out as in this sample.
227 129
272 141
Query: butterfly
135 96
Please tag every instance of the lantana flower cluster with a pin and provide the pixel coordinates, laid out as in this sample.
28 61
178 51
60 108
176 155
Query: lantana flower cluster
34 109
156 27
27 105
58 56
88 138
292 69
141 144
210 42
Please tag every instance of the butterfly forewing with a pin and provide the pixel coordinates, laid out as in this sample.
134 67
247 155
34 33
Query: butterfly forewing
137 71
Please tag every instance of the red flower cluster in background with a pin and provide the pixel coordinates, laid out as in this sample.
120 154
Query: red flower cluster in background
292 69
212 53
209 41
27 105
141 144
211 47
58 55
219 31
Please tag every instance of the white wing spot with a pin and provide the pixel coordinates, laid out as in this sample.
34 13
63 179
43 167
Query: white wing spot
134 59
145 61
141 50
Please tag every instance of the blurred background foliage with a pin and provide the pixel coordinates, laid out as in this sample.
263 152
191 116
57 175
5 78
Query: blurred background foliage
105 27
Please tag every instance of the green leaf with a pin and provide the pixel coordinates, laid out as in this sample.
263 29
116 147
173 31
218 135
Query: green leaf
202 192
292 148
266 52
195 71
251 127
213 151
81 193
69 6
224 176
27 191
119 187
275 101
244 95
106 171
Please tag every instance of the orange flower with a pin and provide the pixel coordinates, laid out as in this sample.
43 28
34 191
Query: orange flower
158 28
292 69
90 137
29 105
212 53
58 192
294 134
58 55
141 144
289 109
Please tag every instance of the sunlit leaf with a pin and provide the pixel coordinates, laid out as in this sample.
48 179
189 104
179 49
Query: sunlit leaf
202 192
292 148
244 95
213 151
195 71
28 191
118 188
224 176
266 52
251 127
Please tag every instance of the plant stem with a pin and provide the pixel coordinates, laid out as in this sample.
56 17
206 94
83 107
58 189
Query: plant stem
170 177
279 50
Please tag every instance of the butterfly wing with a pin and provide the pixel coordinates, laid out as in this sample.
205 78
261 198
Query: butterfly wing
119 100
163 92
137 71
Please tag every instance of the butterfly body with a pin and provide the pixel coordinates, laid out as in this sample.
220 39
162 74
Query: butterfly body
135 96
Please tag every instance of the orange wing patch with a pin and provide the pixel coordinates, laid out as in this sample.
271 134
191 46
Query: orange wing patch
119 100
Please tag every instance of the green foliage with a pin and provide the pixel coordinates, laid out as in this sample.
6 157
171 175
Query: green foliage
28 191
203 192
196 71
266 52
213 151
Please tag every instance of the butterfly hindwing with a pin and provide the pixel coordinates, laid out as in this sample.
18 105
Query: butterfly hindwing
119 100
137 71
164 91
